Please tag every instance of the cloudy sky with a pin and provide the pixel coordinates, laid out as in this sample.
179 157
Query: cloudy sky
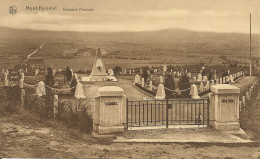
134 15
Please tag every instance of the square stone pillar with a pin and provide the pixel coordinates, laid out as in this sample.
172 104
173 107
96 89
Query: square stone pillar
109 112
225 107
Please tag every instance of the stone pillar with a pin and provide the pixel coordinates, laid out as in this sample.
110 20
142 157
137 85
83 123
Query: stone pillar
109 111
225 107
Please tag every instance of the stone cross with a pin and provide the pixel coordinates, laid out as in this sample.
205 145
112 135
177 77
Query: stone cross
150 85
79 92
215 76
199 77
217 81
207 85
161 79
212 82
40 90
231 79
5 75
160 94
194 92
36 72
205 79
110 72
137 79
76 76
6 82
142 82
201 87
227 79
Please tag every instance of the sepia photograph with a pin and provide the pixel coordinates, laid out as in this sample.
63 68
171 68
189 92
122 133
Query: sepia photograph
175 79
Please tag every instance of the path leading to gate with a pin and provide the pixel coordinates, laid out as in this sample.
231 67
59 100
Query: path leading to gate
130 91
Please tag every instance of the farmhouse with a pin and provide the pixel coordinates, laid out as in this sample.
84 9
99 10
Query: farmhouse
34 63
70 52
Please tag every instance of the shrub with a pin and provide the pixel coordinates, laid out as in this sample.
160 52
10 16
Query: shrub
117 70
75 118
169 83
184 84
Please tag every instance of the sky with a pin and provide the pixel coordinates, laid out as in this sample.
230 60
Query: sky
227 16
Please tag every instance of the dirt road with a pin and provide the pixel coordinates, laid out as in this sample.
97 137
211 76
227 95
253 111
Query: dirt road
32 138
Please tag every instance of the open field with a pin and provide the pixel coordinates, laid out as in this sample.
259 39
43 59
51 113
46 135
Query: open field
129 49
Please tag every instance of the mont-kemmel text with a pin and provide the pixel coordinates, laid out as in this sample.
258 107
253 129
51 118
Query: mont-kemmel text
40 8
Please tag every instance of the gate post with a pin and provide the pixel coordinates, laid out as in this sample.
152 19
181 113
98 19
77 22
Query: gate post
109 113
225 107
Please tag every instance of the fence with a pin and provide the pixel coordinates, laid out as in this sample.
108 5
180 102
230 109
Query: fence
141 113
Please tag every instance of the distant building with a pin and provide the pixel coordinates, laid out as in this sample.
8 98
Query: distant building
70 52
34 63
82 52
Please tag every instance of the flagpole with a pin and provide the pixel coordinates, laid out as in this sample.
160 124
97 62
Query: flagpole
250 49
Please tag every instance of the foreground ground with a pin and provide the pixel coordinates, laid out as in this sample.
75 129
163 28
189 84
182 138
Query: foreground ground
22 138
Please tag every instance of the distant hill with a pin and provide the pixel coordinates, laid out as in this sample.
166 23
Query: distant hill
168 39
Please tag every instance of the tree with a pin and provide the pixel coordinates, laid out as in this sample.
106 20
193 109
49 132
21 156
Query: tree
49 81
73 85
68 74
117 69
210 76
184 85
169 83
145 73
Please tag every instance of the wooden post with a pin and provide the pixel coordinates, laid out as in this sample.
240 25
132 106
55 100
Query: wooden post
55 106
22 98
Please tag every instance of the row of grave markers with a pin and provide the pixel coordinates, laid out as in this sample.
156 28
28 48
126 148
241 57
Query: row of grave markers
160 94
40 87
248 96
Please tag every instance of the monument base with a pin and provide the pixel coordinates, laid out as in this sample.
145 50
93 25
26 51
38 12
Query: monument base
108 129
226 126
99 78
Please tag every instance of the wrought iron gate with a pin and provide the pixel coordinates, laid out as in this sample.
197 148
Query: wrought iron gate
167 112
